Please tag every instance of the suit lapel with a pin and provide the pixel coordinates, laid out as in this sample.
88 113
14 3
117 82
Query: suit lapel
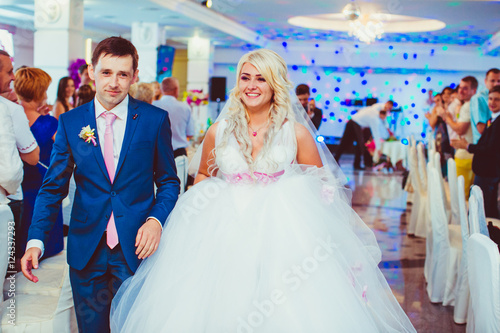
133 118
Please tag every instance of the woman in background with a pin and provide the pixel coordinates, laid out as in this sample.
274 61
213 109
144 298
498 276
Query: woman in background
85 94
31 86
66 96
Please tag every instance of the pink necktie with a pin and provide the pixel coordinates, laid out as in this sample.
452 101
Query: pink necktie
109 159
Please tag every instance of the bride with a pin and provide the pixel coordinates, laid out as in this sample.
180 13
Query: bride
266 239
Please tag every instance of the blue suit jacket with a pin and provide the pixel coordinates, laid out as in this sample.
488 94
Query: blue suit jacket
146 158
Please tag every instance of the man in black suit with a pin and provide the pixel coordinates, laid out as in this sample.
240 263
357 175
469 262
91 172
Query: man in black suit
303 93
486 161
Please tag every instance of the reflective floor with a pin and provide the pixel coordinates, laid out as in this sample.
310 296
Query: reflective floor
380 201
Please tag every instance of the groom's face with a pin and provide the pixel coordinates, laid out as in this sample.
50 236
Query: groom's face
113 77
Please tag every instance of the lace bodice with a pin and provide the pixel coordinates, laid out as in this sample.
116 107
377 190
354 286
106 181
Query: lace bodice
232 164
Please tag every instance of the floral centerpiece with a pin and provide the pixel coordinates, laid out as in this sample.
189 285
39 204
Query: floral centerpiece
195 97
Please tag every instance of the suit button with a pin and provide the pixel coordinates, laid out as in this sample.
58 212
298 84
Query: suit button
113 193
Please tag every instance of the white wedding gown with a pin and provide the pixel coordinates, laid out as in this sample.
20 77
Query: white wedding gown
280 252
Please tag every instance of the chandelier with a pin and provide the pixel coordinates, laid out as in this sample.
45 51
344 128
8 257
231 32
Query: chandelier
367 28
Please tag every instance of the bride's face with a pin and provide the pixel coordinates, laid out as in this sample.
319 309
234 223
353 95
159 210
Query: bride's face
255 92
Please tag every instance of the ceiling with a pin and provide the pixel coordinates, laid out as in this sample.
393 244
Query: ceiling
235 23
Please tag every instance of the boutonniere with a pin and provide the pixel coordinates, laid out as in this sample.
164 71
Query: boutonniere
88 135
488 123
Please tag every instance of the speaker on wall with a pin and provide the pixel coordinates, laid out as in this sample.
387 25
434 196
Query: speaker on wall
217 89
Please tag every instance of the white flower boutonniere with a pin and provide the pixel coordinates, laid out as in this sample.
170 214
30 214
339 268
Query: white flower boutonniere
88 135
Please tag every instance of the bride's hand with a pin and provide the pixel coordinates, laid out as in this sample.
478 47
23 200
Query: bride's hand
148 238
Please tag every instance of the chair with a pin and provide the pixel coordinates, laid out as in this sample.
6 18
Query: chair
477 217
446 248
484 283
419 213
41 310
452 183
444 187
462 288
181 163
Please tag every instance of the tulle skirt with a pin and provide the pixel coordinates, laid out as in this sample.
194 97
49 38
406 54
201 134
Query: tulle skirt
284 256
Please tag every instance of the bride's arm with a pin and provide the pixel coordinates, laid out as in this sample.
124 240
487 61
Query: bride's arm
207 154
307 152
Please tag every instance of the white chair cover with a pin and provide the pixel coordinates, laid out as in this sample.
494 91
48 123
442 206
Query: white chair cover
444 187
428 240
6 219
462 289
452 182
419 214
181 163
446 248
41 311
477 217
484 282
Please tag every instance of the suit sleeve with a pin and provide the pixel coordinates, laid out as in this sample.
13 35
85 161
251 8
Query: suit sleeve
487 145
54 188
166 179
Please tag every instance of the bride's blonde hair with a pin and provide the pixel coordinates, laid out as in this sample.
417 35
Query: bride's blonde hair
273 69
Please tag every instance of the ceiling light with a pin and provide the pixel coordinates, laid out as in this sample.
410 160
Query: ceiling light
207 3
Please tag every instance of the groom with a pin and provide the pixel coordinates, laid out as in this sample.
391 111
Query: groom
118 148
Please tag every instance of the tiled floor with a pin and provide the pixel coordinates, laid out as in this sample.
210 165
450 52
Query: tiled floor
380 201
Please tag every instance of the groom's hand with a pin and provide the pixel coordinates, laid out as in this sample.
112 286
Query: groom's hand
148 238
30 261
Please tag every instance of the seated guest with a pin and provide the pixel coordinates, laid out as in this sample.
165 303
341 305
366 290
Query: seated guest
462 127
143 91
66 96
85 94
31 87
179 114
157 90
486 161
11 176
303 93
372 117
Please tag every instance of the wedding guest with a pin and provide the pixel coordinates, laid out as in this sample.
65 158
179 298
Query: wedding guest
85 80
31 86
66 96
372 117
143 91
462 127
25 141
315 114
179 113
486 160
157 90
479 111
85 94
10 179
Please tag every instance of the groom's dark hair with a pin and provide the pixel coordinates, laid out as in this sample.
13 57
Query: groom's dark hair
117 47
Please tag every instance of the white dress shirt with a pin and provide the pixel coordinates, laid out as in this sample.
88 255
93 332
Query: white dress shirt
25 140
181 121
11 165
370 117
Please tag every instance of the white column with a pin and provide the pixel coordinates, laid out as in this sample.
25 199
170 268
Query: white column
58 38
146 37
199 70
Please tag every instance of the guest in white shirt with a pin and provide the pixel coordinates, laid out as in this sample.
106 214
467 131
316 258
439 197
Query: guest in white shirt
179 113
25 141
372 117
11 176
462 127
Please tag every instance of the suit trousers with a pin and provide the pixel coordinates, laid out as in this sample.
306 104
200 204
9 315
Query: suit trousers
489 186
95 286
353 132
